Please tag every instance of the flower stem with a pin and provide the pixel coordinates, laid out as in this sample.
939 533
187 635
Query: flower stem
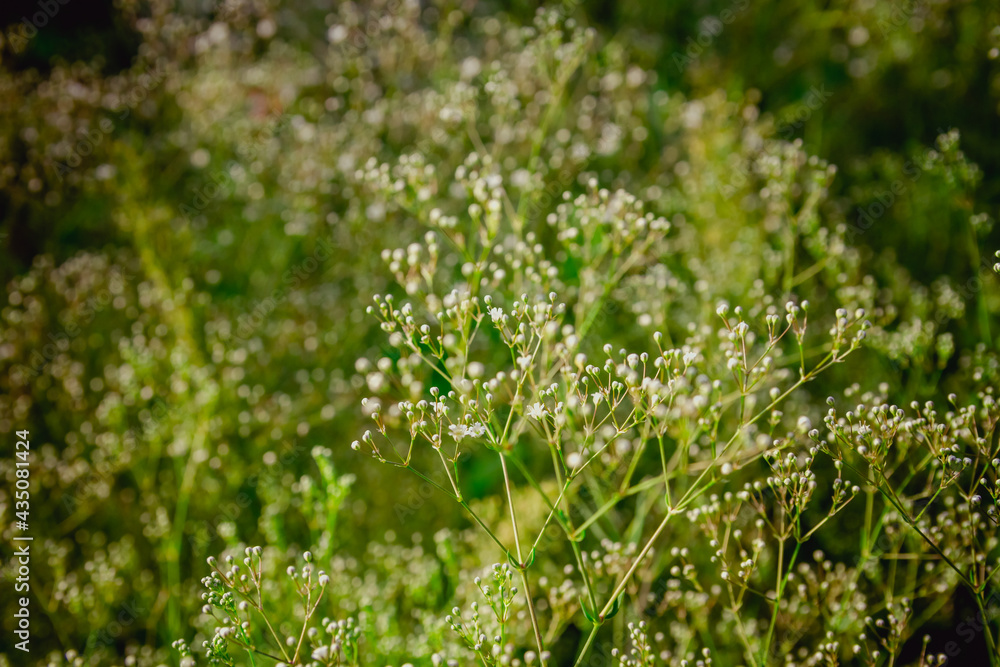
586 646
520 560
990 642
635 565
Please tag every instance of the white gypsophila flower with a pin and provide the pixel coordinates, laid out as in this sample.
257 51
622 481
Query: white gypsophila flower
461 431
496 314
537 411
322 653
574 460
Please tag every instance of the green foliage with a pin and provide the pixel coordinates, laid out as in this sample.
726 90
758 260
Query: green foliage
511 337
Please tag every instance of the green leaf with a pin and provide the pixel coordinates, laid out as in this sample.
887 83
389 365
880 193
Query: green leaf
588 612
615 608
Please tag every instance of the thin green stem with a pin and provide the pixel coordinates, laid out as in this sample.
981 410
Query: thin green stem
779 591
565 524
484 526
586 646
520 560
635 565
990 642
548 518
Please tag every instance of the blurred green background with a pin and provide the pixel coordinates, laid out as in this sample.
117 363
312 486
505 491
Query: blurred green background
178 345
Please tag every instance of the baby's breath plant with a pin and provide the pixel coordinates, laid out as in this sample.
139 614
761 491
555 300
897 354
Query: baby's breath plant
511 336
488 646
549 351
234 598
594 419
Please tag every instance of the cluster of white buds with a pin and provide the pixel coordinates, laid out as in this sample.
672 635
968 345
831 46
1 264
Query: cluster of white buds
641 653
490 647
889 632
792 484
337 643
